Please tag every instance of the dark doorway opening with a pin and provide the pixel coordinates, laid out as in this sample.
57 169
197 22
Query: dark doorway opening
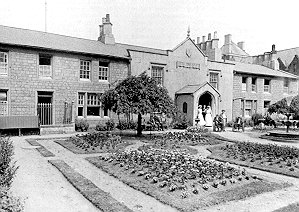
205 100
44 107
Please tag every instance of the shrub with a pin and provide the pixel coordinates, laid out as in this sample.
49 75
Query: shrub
180 121
248 122
8 202
195 129
280 107
8 168
110 125
101 126
255 118
294 107
81 125
124 125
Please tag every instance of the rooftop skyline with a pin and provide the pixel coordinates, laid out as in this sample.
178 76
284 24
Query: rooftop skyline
162 23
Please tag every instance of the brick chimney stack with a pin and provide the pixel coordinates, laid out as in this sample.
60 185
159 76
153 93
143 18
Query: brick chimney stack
106 35
241 45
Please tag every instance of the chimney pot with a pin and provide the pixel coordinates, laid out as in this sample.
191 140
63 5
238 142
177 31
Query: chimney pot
203 39
273 48
215 35
227 39
209 36
198 40
107 18
241 45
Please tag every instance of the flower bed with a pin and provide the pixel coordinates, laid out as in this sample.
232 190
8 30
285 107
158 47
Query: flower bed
268 157
180 180
94 143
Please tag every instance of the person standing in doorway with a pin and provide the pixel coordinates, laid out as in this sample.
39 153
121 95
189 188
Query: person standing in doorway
208 118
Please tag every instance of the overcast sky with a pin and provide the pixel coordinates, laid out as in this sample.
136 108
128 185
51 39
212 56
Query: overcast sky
163 23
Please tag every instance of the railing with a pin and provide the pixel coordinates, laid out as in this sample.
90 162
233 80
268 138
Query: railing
3 108
45 71
68 113
44 111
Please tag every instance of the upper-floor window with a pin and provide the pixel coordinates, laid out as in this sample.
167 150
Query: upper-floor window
103 71
157 74
84 69
214 79
244 83
267 87
253 85
286 83
3 63
3 103
45 68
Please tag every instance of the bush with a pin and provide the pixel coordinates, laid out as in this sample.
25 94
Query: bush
180 121
101 126
294 107
8 202
280 107
255 118
124 125
81 125
110 125
248 122
8 168
194 129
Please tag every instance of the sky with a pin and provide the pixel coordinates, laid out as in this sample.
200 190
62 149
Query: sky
163 24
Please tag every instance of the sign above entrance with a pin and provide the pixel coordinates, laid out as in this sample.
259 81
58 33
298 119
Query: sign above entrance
180 64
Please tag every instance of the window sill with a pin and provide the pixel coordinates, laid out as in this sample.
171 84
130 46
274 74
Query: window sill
104 81
3 75
84 80
45 78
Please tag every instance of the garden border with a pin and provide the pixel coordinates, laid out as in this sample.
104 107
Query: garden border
41 149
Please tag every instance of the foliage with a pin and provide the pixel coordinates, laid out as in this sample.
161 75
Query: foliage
93 140
180 121
248 122
8 202
81 125
195 129
280 107
294 107
255 118
124 125
8 168
153 123
139 95
110 125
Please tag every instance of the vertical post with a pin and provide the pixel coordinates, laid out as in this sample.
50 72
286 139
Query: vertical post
71 112
65 113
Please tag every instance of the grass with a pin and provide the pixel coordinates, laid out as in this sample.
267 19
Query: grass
77 150
205 198
220 155
101 199
41 149
290 208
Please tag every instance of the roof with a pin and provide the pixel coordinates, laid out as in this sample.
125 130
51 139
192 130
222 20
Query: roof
50 41
261 70
234 49
287 55
184 41
190 89
142 49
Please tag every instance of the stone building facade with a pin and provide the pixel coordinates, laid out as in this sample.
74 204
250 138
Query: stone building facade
43 68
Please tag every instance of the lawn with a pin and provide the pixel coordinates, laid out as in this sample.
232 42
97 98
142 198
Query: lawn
182 181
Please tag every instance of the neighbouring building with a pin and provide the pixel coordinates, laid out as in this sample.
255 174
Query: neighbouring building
60 78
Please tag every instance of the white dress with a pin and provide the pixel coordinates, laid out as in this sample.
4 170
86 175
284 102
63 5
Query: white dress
200 117
208 118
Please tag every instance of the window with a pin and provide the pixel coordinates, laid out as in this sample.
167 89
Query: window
103 71
286 85
185 106
45 69
3 63
267 87
253 85
248 108
157 74
93 105
266 106
214 79
81 104
3 103
84 69
244 83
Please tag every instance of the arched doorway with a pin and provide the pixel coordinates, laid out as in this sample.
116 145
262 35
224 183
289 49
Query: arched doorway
205 100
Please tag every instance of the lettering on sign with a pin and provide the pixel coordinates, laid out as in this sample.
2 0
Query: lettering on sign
180 64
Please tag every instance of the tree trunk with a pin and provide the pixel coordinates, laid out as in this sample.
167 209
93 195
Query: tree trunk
139 125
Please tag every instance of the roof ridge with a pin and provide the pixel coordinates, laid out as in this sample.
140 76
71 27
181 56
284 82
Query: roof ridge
142 46
287 49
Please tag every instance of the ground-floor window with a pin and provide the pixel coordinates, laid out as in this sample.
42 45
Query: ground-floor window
248 107
89 105
266 106
3 103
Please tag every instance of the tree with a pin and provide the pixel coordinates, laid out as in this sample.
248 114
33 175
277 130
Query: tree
139 95
279 107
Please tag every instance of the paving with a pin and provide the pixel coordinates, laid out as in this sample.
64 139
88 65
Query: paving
45 189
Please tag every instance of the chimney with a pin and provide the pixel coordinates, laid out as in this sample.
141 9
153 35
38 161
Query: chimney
203 39
197 40
273 49
227 39
209 36
106 35
215 35
241 45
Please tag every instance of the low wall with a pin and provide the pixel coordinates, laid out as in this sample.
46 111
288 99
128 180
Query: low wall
57 129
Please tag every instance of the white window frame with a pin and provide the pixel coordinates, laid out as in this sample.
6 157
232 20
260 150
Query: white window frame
267 88
93 101
3 63
253 86
85 70
214 79
286 85
4 104
81 102
157 73
244 85
103 73
248 108
45 71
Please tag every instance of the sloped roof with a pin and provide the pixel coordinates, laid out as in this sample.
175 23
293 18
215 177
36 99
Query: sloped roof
287 55
38 39
235 49
190 89
261 70
142 49
184 41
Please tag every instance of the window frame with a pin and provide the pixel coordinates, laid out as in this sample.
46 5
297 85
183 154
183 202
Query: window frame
267 88
157 73
4 103
244 85
41 68
4 64
286 85
83 71
216 76
253 85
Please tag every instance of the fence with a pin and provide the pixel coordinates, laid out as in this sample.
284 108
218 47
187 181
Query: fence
68 113
44 111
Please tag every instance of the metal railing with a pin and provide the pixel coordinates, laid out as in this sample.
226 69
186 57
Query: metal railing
44 111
